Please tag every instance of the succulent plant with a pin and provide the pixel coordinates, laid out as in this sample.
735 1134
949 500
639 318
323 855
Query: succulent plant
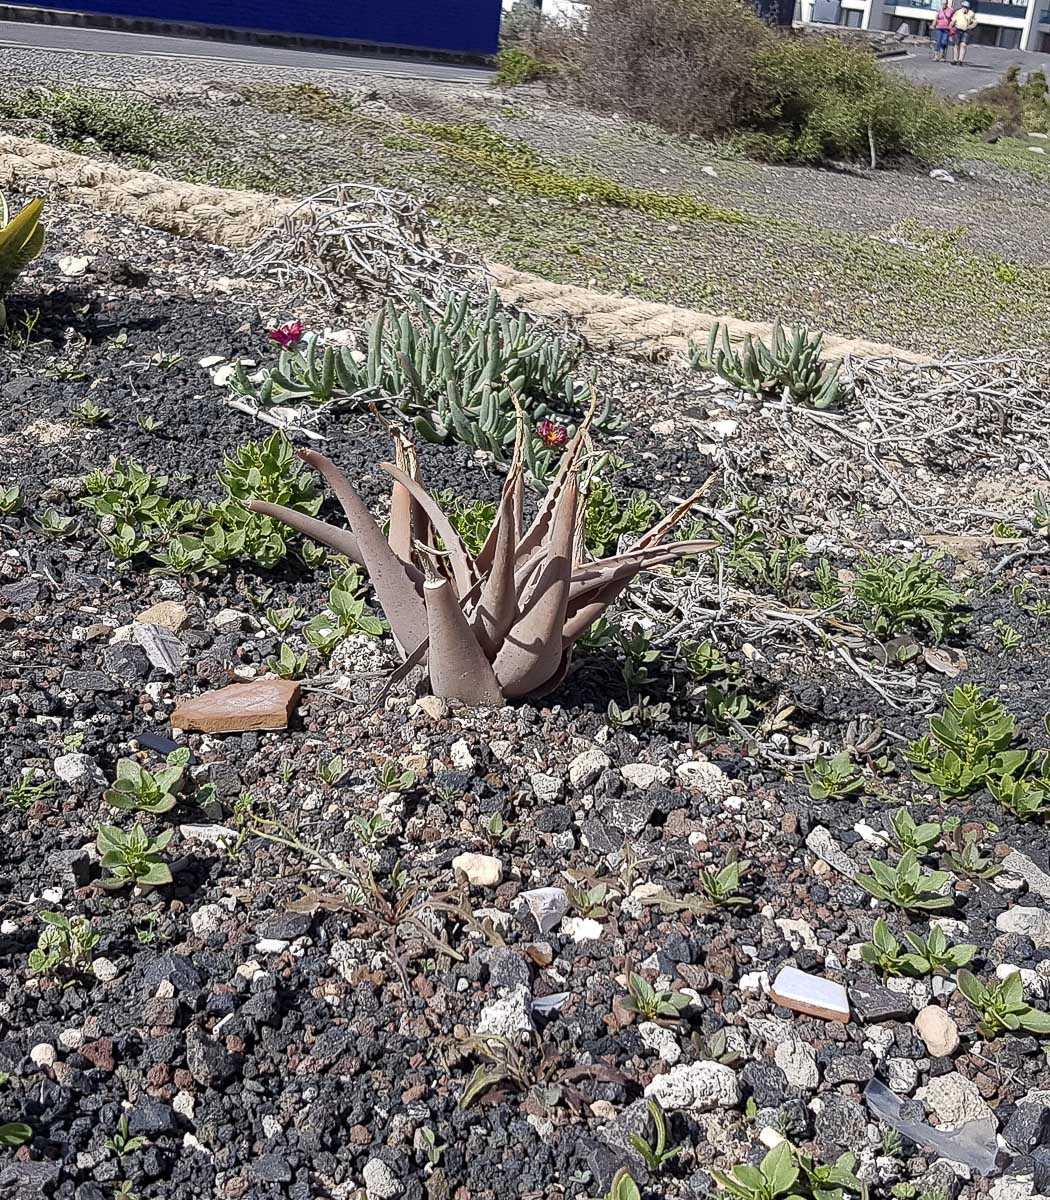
500 624
793 364
21 240
454 376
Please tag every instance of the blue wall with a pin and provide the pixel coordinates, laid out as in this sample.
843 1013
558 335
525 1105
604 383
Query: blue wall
464 26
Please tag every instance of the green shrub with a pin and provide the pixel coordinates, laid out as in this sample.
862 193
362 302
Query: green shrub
975 118
114 123
825 100
515 66
684 65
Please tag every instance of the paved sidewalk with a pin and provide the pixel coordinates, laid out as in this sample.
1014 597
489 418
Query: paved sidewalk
984 66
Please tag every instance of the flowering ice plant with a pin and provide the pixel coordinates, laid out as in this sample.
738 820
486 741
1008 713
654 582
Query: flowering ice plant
551 433
287 336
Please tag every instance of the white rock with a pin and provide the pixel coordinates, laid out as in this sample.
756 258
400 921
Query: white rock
754 982
810 994
546 787
1014 1187
43 1054
941 175
80 772
479 870
380 1182
582 929
183 1104
918 991
212 835
508 1017
662 1040
541 909
798 1061
104 970
71 1039
696 1087
271 946
938 1030
956 1100
1029 922
461 756
228 620
433 706
902 1075
207 919
644 775
210 360
798 933
586 767
71 265
705 777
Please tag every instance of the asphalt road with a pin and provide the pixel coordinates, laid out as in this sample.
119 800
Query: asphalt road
984 66
61 38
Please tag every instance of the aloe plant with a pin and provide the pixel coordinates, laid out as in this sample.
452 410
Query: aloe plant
21 240
500 624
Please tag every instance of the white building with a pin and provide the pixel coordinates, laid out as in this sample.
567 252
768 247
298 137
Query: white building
1021 26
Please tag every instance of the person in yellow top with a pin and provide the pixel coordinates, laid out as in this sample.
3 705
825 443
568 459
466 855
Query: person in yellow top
964 19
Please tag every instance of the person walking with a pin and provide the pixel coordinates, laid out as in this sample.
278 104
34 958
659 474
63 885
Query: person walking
942 30
964 20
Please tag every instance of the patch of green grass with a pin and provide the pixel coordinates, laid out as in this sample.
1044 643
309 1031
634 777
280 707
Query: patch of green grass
1013 155
516 166
304 100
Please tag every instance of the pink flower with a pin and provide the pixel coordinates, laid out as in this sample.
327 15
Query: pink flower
286 336
552 434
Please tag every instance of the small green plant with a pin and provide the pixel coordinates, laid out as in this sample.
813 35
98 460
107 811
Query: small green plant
968 746
344 616
1001 1006
906 885
431 1147
122 1142
592 901
703 661
64 944
54 524
369 831
607 517
1006 636
720 888
10 500
771 567
635 645
774 1177
792 365
893 595
14 1133
21 240
655 1154
287 664
963 854
1028 798
623 1187
133 858
88 413
927 956
828 1181
138 789
471 519
647 1002
28 790
920 839
392 777
281 620
515 66
332 770
828 591
833 778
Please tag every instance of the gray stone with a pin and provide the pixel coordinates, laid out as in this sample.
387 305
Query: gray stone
88 683
824 846
506 969
644 775
631 812
72 867
80 772
162 647
211 835
509 1017
127 662
1029 1127
902 1074
956 1100
798 1061
1033 923
272 1168
210 1063
872 1002
586 767
1016 863
380 1182
849 1068
541 909
841 1122
150 1118
207 919
546 787
696 1087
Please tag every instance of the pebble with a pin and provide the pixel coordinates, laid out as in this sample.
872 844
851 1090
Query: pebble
705 777
1029 922
798 1061
696 1087
956 1100
586 768
938 1030
902 1075
582 929
644 775
462 759
433 706
872 1002
546 787
43 1054
541 909
824 846
509 1017
479 870
104 970
80 772
380 1182
662 1040
167 613
271 946
207 919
